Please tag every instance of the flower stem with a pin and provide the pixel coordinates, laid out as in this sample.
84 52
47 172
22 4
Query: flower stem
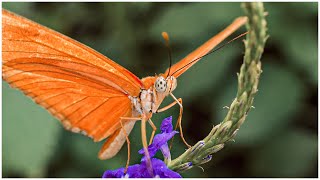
248 80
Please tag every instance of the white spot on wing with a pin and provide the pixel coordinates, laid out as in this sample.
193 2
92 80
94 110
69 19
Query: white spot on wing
75 130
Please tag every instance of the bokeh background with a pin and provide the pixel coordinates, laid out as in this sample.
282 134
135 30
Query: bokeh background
279 137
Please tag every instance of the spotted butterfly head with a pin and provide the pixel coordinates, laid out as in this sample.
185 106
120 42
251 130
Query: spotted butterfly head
165 85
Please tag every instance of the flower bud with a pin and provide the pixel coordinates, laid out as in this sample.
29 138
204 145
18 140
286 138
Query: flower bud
194 151
234 134
205 160
197 147
224 128
212 133
215 149
183 167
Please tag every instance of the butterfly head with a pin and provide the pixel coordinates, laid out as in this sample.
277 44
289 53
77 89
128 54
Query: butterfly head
165 85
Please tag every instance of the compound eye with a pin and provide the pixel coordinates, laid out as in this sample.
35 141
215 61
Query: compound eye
160 84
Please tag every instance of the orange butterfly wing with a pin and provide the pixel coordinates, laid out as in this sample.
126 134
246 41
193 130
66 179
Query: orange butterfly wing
184 64
85 90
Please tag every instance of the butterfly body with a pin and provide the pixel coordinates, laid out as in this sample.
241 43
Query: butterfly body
150 99
143 107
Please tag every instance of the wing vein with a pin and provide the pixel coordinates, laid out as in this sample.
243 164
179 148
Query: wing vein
102 84
70 71
71 56
105 101
33 83
70 105
35 52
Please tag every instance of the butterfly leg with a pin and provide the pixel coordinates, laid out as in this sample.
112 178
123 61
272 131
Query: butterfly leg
122 120
144 140
145 146
179 122
169 106
130 118
153 131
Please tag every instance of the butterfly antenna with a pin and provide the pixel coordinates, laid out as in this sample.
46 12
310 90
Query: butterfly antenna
166 39
214 50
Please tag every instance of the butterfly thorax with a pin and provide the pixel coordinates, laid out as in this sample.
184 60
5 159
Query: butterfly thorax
149 100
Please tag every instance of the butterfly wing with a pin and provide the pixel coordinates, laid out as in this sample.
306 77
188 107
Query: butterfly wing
184 64
114 143
85 90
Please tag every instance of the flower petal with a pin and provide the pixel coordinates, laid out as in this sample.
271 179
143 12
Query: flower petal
140 171
165 151
118 173
161 170
158 141
159 167
133 171
166 125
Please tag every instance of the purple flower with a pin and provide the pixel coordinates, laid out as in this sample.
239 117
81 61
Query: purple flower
159 167
140 171
160 140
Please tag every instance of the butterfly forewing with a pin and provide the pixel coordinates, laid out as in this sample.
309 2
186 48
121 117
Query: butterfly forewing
179 68
23 38
85 90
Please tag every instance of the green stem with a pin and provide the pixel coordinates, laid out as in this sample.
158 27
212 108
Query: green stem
248 80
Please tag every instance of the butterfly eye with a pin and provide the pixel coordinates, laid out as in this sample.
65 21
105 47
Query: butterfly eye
160 84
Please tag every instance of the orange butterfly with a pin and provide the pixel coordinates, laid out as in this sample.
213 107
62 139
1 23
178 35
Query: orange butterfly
88 92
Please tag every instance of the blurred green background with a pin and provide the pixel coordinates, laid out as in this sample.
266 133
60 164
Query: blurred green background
279 137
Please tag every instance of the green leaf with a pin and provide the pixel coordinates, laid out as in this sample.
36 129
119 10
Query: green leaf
277 101
30 135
